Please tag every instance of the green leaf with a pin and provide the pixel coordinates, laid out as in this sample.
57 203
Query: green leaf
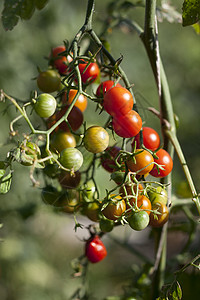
40 4
191 12
5 181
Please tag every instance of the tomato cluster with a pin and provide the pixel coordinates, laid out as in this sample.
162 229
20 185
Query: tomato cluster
74 150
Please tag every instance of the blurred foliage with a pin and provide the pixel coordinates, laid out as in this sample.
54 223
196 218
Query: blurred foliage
39 242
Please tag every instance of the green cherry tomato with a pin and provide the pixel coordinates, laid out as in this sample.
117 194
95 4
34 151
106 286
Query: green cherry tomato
62 140
139 220
106 225
157 194
71 158
48 81
91 210
96 139
45 105
89 191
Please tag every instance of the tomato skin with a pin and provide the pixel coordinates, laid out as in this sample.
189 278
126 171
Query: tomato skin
166 161
127 126
96 139
68 180
81 102
89 74
45 105
106 225
115 208
69 201
108 158
48 81
91 210
157 194
118 101
71 158
60 61
143 160
158 220
62 140
139 220
95 250
143 203
105 86
151 139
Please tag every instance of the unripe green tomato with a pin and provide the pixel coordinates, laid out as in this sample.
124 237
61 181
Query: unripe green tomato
118 177
106 225
139 220
62 140
48 81
45 105
96 139
89 191
71 158
158 194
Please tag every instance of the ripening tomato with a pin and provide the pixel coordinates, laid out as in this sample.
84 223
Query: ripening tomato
69 201
81 102
118 101
158 220
96 139
91 210
127 126
165 160
68 180
106 86
48 81
142 163
143 203
95 250
139 220
157 194
108 158
45 105
88 73
60 62
115 208
151 139
106 225
50 195
71 158
62 140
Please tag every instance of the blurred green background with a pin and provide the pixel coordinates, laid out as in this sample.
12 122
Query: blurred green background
36 251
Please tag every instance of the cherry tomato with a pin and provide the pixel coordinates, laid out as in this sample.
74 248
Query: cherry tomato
60 62
81 102
51 170
143 203
115 208
45 105
118 101
91 210
151 139
143 161
88 192
106 225
68 180
158 220
71 158
95 250
69 201
108 158
96 139
48 81
50 195
139 220
62 140
89 73
166 161
127 126
106 86
157 194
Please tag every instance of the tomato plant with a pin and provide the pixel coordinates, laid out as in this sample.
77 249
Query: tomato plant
71 158
62 140
45 105
158 194
69 201
151 139
142 202
165 160
142 163
139 220
105 86
96 139
128 125
68 180
95 250
49 81
89 72
81 101
118 101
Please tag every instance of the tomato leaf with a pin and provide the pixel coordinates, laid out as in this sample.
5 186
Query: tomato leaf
5 181
191 12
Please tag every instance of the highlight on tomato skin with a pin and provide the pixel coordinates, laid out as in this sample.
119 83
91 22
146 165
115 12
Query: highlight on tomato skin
95 249
89 73
151 139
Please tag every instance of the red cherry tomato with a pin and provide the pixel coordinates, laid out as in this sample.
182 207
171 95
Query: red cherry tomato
81 102
108 158
118 101
142 161
105 86
60 62
95 250
151 139
89 73
127 126
166 161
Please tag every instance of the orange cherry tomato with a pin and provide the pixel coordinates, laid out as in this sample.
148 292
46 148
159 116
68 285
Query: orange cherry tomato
143 163
81 102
